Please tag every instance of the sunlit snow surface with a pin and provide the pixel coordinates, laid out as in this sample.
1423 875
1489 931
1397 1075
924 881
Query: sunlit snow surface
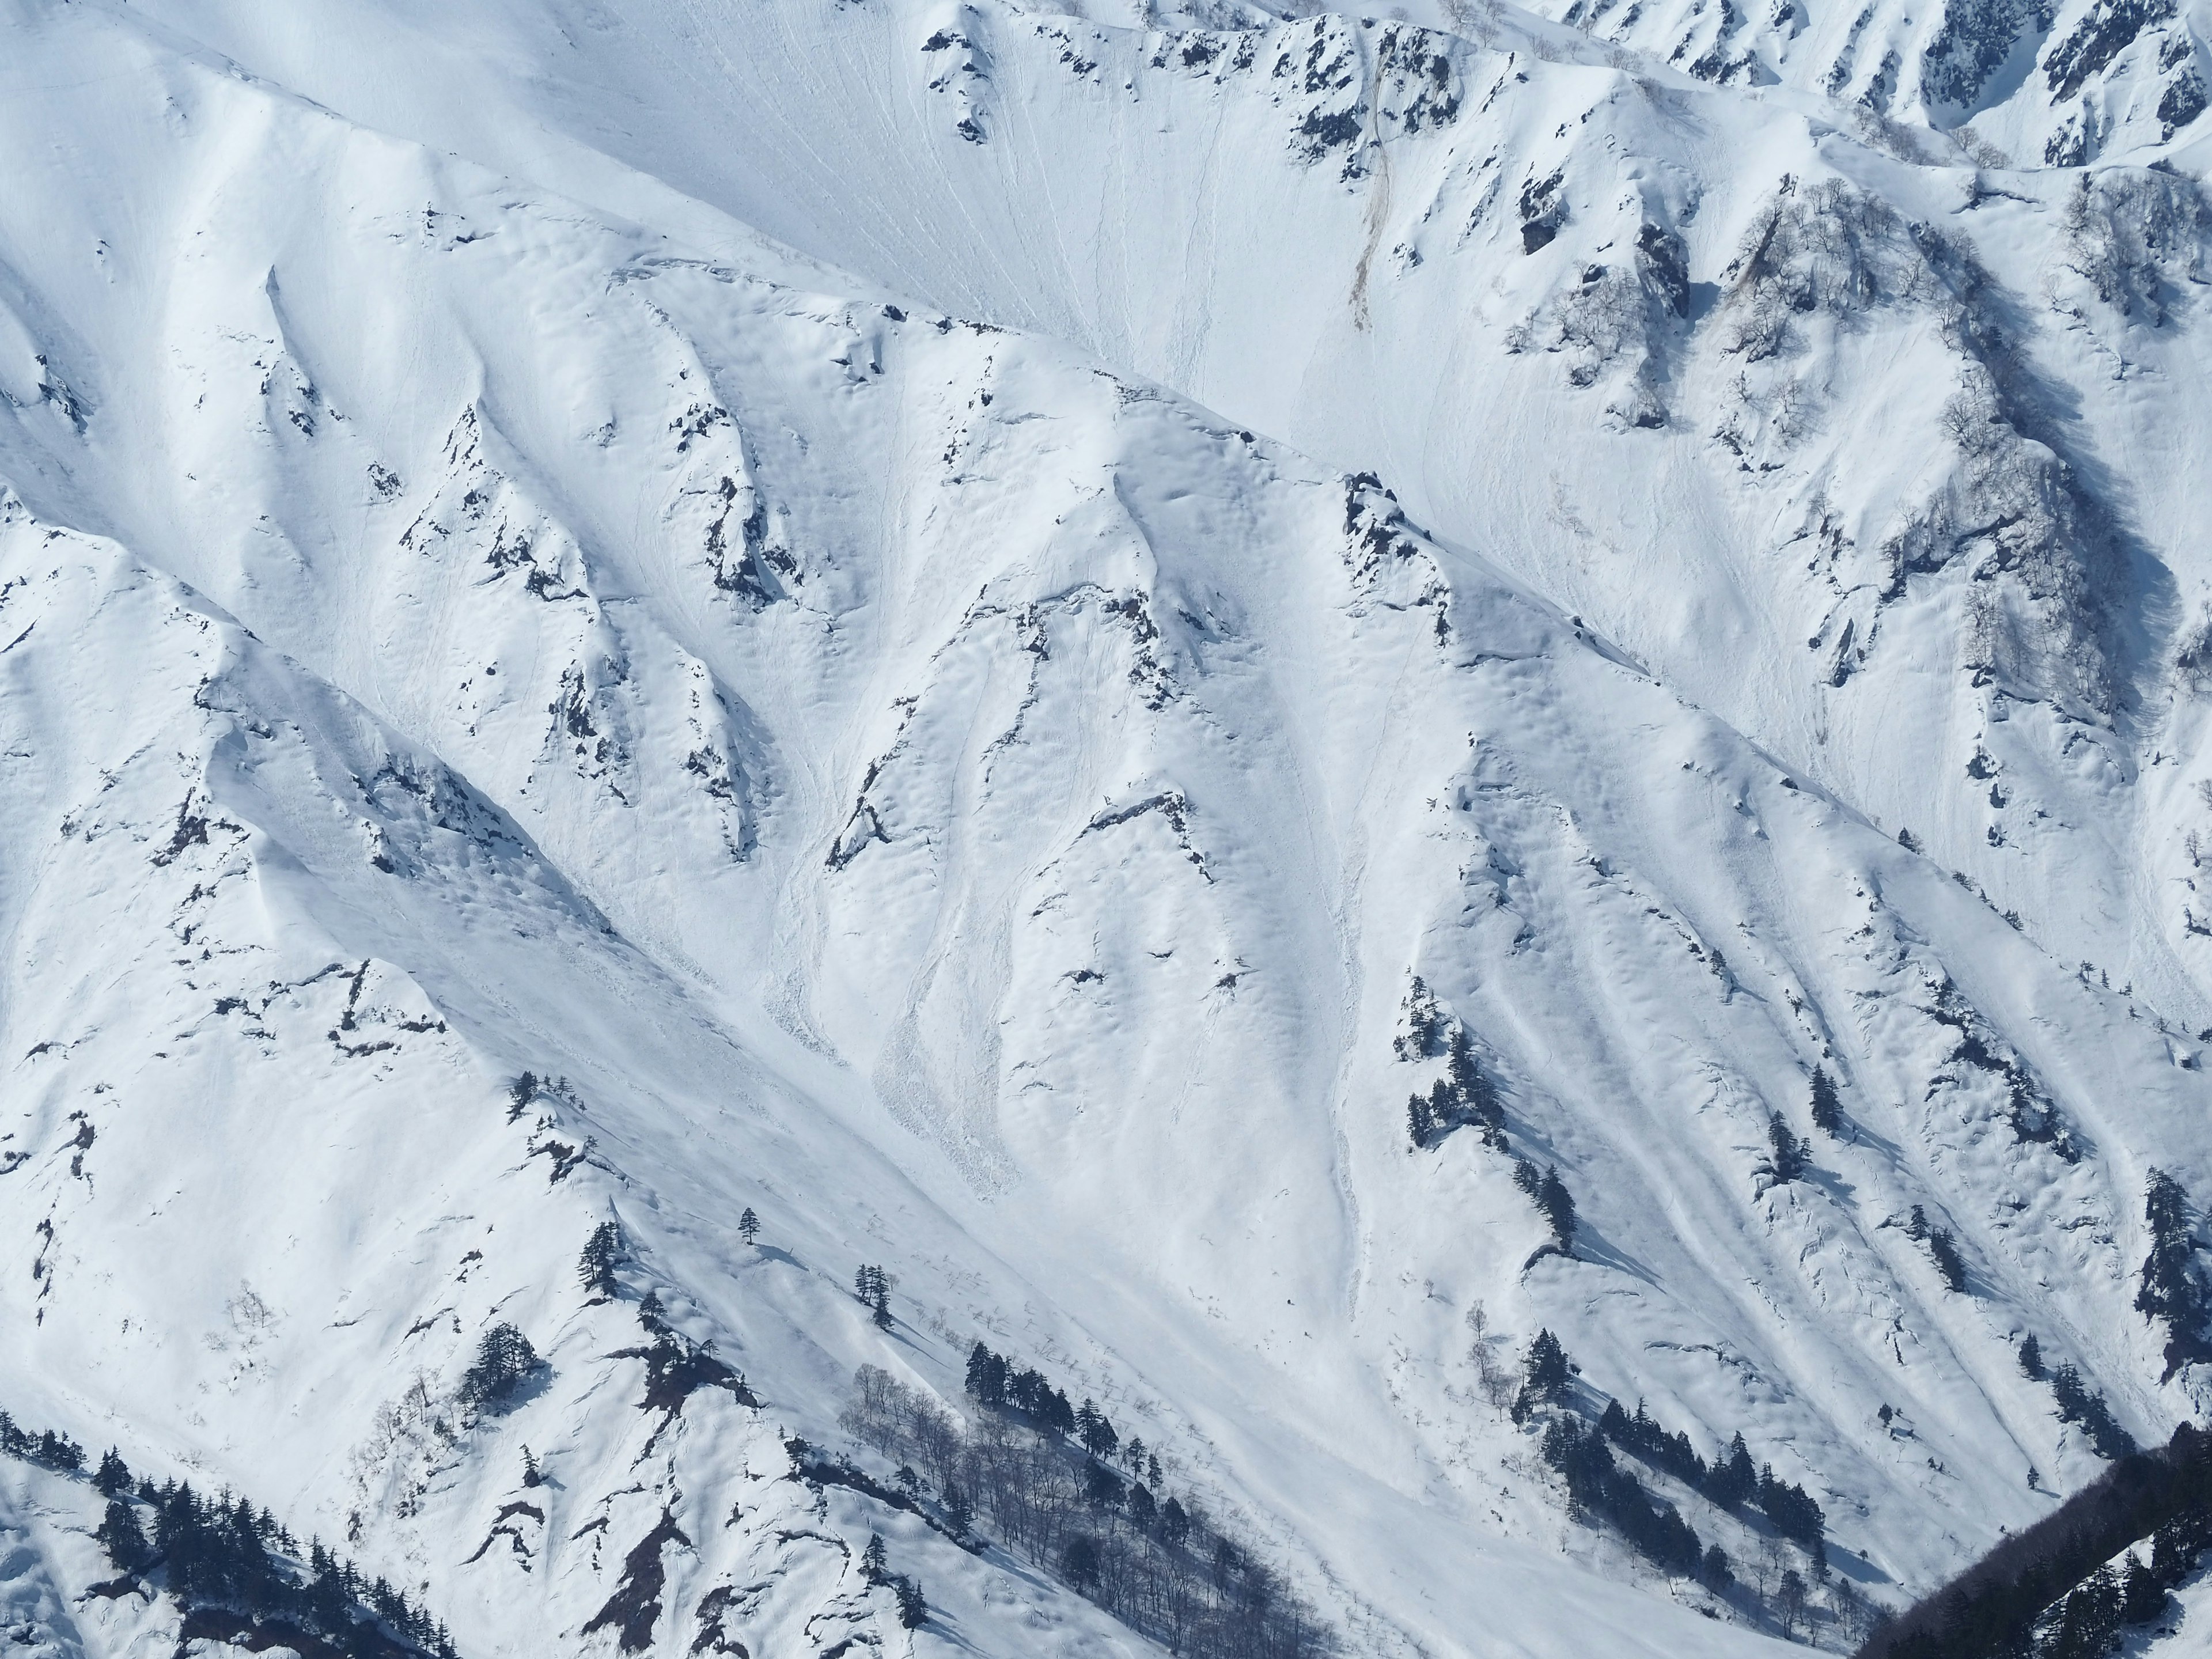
622 542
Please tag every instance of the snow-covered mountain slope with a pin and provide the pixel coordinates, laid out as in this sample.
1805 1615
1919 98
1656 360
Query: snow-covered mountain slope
968 691
1918 429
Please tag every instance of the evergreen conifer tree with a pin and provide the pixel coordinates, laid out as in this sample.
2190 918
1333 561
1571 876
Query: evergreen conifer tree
504 1358
1943 1247
872 1285
2173 1288
1558 1206
1791 1155
1420 1121
1828 1109
2142 1598
1078 1562
122 1537
602 1251
1175 1523
113 1476
1734 1480
1546 1368
913 1609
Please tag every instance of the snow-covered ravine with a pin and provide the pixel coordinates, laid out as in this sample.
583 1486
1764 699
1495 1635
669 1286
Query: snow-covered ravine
989 635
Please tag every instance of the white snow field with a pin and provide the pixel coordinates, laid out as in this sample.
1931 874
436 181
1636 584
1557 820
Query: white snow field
949 621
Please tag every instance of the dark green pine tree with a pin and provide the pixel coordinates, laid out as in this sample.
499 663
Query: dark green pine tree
602 1252
987 1376
1420 1121
2171 1290
122 1537
749 1225
1558 1205
2142 1598
1545 1371
2088 1620
113 1476
1734 1480
1175 1523
872 1560
1943 1247
872 1285
913 1608
1828 1109
1790 1154
959 1513
2030 1358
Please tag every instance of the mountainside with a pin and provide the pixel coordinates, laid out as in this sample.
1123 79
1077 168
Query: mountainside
1260 699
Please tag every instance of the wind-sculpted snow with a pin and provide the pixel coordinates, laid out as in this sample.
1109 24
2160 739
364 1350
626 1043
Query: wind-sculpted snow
1506 264
975 730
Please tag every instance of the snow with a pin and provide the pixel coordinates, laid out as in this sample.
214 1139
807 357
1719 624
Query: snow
627 546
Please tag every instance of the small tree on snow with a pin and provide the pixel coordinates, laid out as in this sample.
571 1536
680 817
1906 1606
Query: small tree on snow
872 1285
913 1609
1791 1155
603 1251
1828 1109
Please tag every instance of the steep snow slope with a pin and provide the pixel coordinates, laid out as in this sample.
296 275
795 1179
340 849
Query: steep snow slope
1916 504
986 812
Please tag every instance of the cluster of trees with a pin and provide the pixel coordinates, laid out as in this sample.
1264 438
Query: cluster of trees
1942 1247
2173 1287
996 1381
872 1285
1060 1485
913 1606
1546 1375
1552 1198
2049 1592
1731 1481
1461 1098
216 1552
503 1360
1793 1155
54 1451
1599 1489
2078 1402
222 1552
2088 1622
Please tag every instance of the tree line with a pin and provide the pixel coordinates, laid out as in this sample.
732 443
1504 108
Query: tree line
1601 1491
221 1553
2048 1592
1056 1482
